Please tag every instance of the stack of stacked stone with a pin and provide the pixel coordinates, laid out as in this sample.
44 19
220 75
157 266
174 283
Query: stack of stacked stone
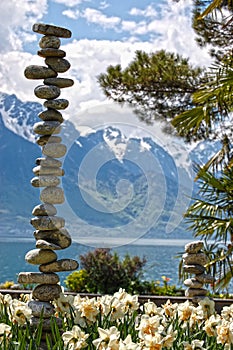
50 233
194 261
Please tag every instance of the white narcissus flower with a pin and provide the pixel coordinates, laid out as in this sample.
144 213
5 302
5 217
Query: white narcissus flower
149 325
169 308
210 325
227 312
117 309
88 309
20 312
5 332
185 310
153 342
128 344
75 339
151 309
169 338
207 306
196 344
109 339
225 333
64 304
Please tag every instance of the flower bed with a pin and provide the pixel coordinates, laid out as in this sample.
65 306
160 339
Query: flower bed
119 322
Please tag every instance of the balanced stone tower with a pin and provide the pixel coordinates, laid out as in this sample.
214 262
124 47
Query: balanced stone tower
194 261
50 234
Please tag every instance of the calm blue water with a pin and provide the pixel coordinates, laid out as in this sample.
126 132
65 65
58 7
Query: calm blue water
160 259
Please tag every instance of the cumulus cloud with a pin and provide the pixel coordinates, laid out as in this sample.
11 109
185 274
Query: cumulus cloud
16 19
97 17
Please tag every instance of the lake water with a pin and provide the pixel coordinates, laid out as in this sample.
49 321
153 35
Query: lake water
160 255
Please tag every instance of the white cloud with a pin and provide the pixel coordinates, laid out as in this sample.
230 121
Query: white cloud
104 5
148 12
97 17
16 19
70 3
72 14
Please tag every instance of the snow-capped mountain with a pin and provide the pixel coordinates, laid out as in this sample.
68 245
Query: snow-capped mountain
111 180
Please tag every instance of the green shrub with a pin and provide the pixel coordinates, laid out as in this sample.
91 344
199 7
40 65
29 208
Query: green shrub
106 273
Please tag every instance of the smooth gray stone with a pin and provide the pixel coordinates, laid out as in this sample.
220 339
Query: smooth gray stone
59 103
46 326
51 114
60 237
54 150
194 247
50 41
43 140
205 278
41 308
196 269
47 127
46 292
193 283
42 244
42 170
60 82
49 162
51 52
44 209
59 265
59 65
38 277
45 180
39 72
52 195
195 258
48 222
48 29
47 92
40 256
193 292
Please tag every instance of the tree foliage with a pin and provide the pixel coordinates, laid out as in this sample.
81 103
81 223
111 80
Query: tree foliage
157 85
212 22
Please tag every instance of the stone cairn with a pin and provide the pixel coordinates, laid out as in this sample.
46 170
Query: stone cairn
50 233
194 261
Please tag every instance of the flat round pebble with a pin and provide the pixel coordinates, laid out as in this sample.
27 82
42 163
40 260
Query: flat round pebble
47 292
42 170
45 180
195 258
47 92
40 256
52 195
59 237
60 82
47 127
57 103
60 65
55 150
42 140
50 41
48 222
49 162
49 29
51 52
193 283
38 277
41 308
205 278
59 265
192 292
196 269
51 114
194 247
42 244
39 72
44 209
